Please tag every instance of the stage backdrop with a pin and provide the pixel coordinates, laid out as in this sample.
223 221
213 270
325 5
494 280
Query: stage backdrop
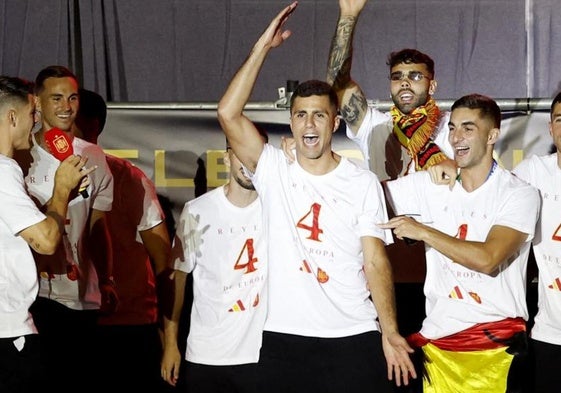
188 50
181 149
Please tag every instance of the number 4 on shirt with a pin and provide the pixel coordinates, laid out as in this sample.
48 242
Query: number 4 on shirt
248 264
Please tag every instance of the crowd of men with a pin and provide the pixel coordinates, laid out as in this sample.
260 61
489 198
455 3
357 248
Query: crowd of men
292 282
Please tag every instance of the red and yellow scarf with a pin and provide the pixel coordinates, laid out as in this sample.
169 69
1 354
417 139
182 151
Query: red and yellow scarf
414 132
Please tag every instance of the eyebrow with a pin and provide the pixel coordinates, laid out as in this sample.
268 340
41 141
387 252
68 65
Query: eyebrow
465 123
62 95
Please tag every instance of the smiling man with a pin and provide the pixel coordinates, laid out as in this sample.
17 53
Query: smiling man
76 281
477 247
330 281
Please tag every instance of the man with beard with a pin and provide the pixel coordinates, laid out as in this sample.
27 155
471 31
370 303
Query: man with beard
220 241
413 136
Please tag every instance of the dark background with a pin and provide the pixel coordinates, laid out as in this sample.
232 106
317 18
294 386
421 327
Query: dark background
187 50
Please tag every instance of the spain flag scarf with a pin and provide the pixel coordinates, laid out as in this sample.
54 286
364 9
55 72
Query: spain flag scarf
414 132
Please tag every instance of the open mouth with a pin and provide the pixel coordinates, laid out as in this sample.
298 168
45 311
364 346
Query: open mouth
461 151
310 140
406 97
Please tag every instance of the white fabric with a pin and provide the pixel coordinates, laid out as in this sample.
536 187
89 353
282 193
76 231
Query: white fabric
229 299
346 204
385 156
84 292
18 275
458 297
544 174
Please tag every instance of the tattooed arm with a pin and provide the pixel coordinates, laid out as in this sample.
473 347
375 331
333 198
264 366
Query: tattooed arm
352 102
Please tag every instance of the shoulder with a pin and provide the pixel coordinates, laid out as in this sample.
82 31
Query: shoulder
536 162
511 184
416 183
92 151
10 169
354 168
208 197
272 159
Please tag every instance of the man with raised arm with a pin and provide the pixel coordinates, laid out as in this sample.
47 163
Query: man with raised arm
331 311
413 135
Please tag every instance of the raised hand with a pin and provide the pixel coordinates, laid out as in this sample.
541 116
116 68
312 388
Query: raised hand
274 35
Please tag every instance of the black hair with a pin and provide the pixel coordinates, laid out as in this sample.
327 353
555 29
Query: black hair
315 88
555 101
92 106
488 108
411 56
53 71
13 89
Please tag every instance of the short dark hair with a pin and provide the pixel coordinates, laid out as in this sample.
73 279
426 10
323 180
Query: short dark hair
410 56
555 101
315 88
92 106
52 71
488 108
14 89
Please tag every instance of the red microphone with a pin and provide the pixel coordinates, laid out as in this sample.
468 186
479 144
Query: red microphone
61 148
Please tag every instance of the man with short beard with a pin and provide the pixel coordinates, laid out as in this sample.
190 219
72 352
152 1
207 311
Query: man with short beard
220 241
413 136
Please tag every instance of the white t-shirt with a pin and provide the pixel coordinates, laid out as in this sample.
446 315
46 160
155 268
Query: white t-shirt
544 174
81 293
223 246
381 149
457 297
317 286
18 275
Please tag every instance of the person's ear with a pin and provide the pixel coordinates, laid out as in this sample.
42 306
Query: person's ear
226 158
493 136
12 117
432 86
336 123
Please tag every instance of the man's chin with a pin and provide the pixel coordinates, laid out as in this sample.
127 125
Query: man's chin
406 109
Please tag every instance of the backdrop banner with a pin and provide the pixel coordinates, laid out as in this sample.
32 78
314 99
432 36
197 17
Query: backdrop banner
181 150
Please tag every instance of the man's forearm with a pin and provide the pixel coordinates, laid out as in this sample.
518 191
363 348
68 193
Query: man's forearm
341 52
383 296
